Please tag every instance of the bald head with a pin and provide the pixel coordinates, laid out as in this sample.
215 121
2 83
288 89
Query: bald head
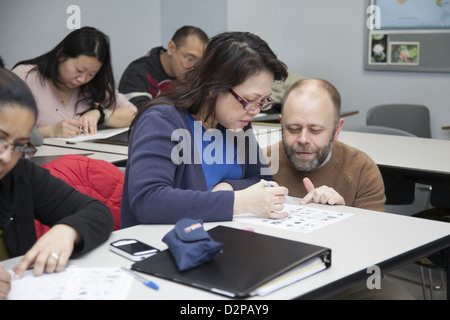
314 89
310 122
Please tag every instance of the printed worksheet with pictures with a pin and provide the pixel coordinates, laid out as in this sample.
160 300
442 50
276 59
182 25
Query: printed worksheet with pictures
301 218
73 283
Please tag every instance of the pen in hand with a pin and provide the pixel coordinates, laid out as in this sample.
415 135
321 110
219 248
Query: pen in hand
288 198
66 117
146 282
62 114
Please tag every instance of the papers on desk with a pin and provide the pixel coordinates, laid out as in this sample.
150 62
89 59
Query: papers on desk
73 283
301 218
301 272
101 134
259 115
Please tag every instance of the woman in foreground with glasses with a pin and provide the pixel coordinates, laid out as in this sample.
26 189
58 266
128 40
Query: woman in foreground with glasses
28 192
191 151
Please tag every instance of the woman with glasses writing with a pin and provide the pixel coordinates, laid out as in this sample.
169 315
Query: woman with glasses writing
192 152
28 192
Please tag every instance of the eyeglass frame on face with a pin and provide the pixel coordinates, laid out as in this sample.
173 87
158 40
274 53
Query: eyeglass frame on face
269 102
28 149
188 59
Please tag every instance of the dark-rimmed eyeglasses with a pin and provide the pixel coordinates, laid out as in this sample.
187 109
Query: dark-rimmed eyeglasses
264 105
27 149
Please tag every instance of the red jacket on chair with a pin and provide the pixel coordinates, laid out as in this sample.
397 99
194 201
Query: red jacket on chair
97 178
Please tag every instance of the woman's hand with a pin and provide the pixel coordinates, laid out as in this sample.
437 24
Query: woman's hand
50 253
89 121
261 200
5 282
67 128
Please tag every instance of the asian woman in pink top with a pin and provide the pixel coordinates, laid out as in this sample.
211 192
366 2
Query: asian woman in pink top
73 85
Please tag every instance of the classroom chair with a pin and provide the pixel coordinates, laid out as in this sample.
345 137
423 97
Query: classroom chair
97 178
413 118
440 200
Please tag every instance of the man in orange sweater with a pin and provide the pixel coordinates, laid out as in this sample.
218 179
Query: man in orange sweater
313 165
310 156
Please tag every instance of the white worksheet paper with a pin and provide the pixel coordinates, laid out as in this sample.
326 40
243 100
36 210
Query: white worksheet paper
101 134
73 283
301 218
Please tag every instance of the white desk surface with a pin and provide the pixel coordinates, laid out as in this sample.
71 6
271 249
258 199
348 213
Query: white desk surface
412 153
48 150
267 134
365 239
88 145
419 154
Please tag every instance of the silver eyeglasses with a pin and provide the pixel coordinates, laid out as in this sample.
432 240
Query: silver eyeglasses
188 59
264 105
27 149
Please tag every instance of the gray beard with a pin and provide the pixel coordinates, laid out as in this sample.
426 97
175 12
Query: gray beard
321 156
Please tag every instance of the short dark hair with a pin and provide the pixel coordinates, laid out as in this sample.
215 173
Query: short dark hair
14 91
182 33
2 64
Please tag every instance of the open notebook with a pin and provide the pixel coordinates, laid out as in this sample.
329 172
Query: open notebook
247 262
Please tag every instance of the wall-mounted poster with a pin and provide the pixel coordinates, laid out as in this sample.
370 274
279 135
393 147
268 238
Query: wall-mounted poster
414 14
407 35
378 48
406 53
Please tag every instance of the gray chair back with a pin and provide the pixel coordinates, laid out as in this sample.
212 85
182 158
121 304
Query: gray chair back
379 129
413 118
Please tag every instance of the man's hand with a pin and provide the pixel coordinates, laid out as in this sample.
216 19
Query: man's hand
322 195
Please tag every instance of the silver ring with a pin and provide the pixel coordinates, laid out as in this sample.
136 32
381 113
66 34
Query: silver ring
54 256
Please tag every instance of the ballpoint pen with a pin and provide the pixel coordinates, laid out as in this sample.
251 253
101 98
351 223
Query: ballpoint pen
62 114
66 117
138 277
288 198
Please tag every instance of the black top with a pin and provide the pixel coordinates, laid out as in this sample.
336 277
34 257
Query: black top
145 76
29 192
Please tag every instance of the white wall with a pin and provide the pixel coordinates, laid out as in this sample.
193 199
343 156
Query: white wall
315 38
326 39
210 16
31 28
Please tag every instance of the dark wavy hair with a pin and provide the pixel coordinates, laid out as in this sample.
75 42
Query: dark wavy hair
85 41
230 59
14 91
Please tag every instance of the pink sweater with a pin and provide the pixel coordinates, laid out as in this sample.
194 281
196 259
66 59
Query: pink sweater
47 102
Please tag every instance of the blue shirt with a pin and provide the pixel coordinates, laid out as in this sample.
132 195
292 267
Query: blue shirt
213 145
159 190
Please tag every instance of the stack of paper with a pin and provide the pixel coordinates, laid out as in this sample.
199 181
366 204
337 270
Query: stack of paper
301 272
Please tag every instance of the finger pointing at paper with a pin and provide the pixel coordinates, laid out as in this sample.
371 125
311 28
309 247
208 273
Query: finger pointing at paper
322 195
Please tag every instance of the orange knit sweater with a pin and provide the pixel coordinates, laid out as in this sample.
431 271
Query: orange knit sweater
351 172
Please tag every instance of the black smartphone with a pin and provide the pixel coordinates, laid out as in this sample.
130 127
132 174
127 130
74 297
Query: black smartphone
132 249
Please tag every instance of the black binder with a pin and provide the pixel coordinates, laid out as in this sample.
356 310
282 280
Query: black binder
247 261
